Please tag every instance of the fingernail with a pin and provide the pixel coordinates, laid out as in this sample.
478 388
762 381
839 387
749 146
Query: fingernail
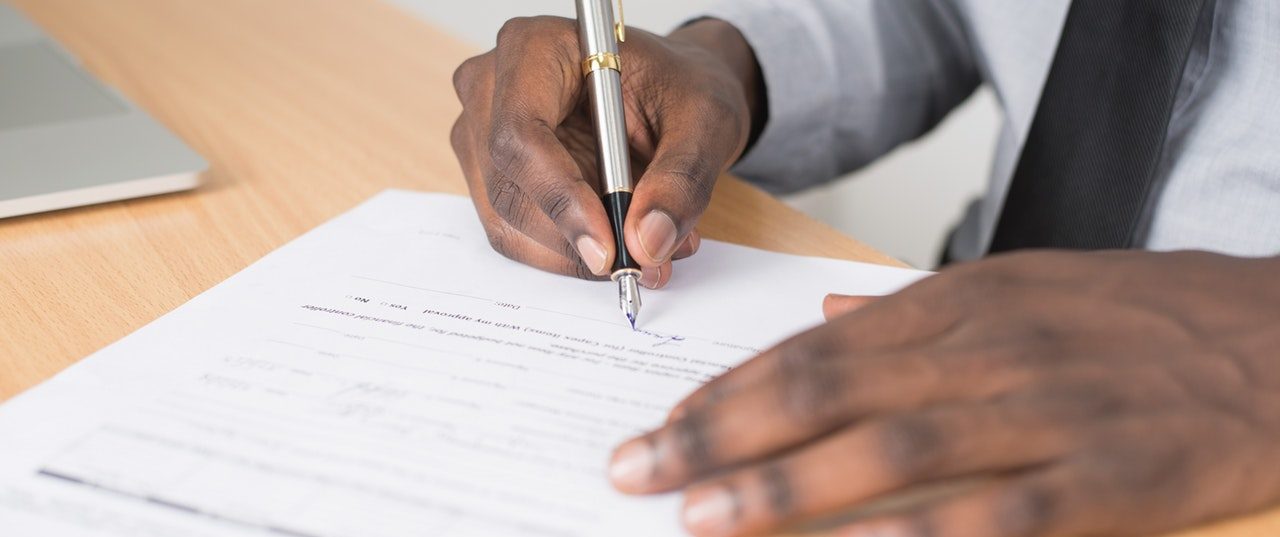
632 465
593 254
650 277
657 235
710 513
688 246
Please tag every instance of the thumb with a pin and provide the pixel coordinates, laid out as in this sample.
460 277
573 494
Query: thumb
668 201
834 305
676 187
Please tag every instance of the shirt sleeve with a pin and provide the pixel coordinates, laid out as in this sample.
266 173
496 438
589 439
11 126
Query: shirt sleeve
848 80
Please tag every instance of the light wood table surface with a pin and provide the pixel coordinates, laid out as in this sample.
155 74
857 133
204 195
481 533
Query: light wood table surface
304 108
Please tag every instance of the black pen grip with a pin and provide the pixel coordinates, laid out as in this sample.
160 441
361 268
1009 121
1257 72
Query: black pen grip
616 205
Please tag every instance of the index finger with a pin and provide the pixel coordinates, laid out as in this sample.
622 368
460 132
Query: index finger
538 85
886 323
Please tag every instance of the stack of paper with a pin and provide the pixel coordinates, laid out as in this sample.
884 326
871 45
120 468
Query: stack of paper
387 374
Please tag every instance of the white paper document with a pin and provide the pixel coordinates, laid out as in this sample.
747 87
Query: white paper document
388 374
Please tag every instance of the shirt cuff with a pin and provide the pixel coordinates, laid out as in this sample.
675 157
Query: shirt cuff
799 74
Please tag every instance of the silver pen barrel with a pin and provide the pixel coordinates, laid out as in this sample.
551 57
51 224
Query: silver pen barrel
598 36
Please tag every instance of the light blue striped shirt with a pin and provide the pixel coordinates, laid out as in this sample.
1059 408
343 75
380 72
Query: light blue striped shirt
849 80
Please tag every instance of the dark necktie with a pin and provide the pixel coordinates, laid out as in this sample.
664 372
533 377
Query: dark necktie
1089 162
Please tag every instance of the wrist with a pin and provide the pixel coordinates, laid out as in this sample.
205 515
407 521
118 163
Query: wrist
724 42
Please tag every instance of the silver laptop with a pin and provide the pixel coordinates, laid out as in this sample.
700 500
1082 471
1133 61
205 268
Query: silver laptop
68 140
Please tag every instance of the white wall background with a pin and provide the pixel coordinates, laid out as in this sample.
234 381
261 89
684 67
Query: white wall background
903 204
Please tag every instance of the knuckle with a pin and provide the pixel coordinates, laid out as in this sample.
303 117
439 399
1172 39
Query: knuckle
693 167
695 173
507 149
778 490
1028 351
808 391
693 441
508 201
1026 510
520 31
1041 333
515 30
464 77
719 112
911 446
555 198
512 161
979 284
716 109
1141 469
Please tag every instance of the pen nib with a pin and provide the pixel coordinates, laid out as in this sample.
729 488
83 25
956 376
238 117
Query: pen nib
629 296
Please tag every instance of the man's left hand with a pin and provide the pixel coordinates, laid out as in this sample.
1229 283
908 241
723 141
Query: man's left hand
1110 393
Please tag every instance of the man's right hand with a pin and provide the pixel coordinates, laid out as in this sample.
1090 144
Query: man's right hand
527 146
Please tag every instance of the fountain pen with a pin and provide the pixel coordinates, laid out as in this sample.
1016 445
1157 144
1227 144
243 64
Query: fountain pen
598 36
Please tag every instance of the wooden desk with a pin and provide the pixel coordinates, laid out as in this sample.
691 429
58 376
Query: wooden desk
304 108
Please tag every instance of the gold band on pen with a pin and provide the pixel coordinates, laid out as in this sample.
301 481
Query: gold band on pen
603 60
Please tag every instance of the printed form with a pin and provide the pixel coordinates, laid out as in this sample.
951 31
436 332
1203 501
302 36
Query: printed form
388 374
